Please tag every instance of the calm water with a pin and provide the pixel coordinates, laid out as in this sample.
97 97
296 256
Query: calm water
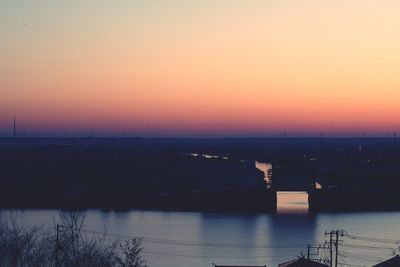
200 239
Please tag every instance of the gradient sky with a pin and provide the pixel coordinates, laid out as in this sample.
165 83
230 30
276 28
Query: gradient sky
207 67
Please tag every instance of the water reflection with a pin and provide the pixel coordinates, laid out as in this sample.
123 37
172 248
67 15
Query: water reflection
266 168
207 156
292 202
231 238
290 233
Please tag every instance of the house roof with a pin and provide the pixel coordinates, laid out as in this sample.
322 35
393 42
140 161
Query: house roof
302 262
393 262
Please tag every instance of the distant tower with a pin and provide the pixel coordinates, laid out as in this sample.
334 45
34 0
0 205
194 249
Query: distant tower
15 129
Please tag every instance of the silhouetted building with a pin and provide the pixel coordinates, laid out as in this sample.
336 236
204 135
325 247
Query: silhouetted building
393 262
302 262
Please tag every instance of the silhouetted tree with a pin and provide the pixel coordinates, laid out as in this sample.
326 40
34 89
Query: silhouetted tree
131 253
68 245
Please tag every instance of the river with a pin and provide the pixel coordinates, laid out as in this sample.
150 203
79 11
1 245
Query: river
195 239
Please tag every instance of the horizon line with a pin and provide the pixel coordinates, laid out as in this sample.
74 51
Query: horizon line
201 137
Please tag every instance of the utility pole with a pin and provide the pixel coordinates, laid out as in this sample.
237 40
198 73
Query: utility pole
330 248
333 242
316 252
337 247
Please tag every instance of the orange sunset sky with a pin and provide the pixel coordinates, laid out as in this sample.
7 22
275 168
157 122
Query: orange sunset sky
209 67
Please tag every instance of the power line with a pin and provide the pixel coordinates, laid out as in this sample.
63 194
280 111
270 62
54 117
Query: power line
372 239
333 243
114 237
367 247
359 256
209 256
345 263
189 243
320 253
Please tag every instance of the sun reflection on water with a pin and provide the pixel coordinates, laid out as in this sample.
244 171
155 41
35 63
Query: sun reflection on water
292 202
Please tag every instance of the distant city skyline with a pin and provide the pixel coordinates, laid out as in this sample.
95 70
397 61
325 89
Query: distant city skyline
200 68
13 132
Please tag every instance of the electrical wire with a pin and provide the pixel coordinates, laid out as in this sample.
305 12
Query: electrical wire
212 257
189 243
323 257
366 247
359 256
372 239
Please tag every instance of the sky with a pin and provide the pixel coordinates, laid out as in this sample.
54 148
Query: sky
200 68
